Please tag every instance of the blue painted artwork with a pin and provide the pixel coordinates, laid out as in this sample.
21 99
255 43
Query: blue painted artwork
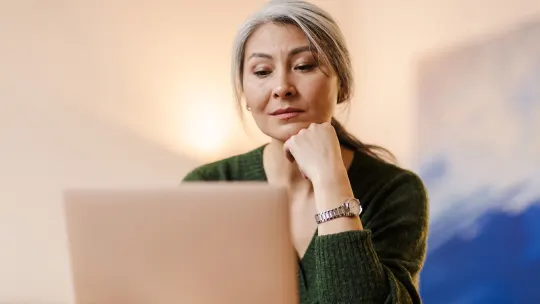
479 145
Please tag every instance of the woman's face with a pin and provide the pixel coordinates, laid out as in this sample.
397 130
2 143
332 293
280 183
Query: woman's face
283 86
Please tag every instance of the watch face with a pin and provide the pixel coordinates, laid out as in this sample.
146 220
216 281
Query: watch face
354 206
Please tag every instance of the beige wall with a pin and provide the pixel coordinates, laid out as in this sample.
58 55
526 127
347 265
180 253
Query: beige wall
108 93
392 36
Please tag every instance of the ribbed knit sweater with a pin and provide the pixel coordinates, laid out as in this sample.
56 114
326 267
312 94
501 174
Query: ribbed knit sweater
379 264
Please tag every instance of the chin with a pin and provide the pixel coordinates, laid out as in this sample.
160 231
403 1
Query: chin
284 132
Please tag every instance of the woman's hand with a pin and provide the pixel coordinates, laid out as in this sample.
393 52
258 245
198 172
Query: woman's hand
317 152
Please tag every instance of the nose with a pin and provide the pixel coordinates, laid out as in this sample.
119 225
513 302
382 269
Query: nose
284 89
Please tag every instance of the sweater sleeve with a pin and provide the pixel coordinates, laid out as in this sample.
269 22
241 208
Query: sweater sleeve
194 176
381 263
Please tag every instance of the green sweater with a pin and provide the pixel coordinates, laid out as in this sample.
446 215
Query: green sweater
377 265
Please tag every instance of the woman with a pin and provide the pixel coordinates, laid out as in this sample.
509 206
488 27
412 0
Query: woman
291 68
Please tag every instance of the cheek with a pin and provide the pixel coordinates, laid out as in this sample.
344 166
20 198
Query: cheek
255 94
322 93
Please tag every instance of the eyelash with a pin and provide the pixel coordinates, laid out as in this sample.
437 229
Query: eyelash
302 68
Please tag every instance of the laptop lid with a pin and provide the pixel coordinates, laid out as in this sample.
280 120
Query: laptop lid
200 243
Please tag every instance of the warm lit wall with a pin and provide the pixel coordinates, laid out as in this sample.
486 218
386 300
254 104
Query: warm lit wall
91 94
390 37
103 94
111 93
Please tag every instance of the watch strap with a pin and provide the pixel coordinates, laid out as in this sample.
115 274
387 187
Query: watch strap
343 210
340 211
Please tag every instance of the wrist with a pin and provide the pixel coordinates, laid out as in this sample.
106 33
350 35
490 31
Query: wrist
330 178
331 193
340 225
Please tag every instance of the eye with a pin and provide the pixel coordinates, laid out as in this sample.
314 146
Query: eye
305 67
262 73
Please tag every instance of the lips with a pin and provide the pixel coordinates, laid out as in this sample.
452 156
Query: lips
286 113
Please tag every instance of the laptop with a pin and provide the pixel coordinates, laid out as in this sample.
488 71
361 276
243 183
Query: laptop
201 243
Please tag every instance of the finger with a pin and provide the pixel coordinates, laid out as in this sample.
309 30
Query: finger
289 144
287 150
291 158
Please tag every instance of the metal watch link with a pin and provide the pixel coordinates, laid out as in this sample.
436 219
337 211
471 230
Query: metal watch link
350 208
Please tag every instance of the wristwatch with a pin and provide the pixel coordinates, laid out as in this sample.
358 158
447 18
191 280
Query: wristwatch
350 208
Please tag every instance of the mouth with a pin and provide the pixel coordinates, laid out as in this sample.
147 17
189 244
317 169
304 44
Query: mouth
286 113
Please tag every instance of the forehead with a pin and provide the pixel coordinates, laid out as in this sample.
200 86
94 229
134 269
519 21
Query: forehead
272 37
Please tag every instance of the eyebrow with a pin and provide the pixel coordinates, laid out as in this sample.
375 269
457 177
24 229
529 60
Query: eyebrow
293 52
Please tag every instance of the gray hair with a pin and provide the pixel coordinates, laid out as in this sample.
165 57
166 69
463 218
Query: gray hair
320 29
